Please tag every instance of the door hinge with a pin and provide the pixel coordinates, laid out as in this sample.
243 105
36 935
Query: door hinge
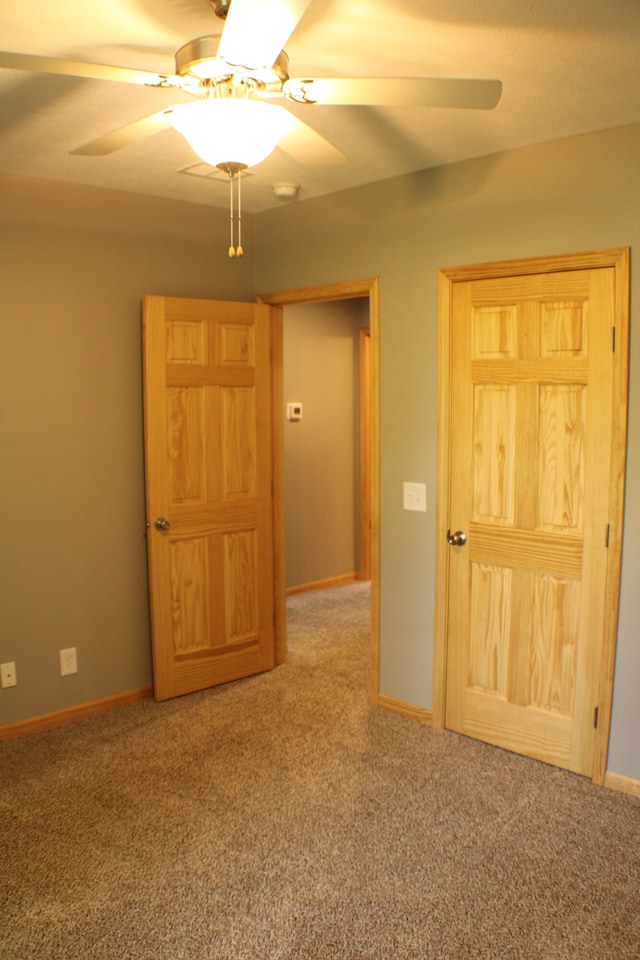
595 718
613 339
607 532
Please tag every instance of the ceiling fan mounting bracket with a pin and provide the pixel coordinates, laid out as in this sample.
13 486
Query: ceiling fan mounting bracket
231 167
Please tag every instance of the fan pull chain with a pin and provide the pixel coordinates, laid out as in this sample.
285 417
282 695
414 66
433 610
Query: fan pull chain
232 249
239 250
235 251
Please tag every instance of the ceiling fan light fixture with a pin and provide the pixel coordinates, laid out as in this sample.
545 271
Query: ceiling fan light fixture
232 130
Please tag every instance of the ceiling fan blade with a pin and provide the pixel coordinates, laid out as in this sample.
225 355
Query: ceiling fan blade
75 68
124 136
255 31
396 91
310 148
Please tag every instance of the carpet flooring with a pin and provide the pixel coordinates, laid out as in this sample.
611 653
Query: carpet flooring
282 818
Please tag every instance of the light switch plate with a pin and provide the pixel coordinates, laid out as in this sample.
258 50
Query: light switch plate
68 661
414 496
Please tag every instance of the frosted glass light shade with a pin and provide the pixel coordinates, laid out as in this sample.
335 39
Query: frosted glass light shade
231 130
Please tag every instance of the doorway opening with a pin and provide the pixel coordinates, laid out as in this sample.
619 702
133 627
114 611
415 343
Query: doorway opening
368 492
326 443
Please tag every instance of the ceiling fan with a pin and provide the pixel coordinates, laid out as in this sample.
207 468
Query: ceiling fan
233 81
232 120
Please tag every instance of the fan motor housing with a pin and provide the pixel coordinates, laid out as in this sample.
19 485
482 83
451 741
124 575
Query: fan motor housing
198 59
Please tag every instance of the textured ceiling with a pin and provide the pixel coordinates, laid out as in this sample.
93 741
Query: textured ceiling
567 67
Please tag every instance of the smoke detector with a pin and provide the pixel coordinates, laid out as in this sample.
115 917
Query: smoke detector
286 191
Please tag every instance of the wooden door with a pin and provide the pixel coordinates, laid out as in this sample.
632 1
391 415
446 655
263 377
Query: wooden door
532 467
207 397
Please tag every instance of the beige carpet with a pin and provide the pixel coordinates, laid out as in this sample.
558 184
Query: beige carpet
282 818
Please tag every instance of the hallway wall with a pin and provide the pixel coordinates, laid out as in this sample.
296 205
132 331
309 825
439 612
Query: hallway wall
321 449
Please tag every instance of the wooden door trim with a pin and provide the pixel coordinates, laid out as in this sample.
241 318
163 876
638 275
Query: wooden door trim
346 290
277 467
364 432
618 258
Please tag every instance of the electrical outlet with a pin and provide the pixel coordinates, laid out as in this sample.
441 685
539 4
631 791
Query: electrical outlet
294 411
68 662
8 674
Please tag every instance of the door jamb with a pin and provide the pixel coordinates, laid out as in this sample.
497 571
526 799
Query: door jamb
618 258
277 300
364 444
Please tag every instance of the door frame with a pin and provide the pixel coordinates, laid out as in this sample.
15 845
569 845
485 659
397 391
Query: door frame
618 258
277 300
364 446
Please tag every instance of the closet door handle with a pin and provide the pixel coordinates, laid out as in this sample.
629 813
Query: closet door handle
162 524
457 539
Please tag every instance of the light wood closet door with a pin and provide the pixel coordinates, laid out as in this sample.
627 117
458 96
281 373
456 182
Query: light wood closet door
531 438
209 478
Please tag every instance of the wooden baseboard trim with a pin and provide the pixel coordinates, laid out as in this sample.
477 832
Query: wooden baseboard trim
421 714
616 781
323 584
81 710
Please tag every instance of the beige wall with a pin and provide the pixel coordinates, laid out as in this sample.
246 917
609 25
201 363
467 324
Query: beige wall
75 263
321 450
577 194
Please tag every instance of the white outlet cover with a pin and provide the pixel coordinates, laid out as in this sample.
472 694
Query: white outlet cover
8 675
414 497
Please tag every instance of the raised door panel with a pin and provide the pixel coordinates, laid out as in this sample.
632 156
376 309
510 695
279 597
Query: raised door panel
238 442
488 650
187 419
552 666
561 460
190 596
493 453
241 586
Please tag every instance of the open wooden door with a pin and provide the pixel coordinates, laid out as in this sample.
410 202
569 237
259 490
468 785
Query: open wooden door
208 448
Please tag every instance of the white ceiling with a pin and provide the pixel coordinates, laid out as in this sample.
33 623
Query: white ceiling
567 67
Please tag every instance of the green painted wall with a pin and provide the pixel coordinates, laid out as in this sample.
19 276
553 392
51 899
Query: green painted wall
321 450
75 263
573 195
